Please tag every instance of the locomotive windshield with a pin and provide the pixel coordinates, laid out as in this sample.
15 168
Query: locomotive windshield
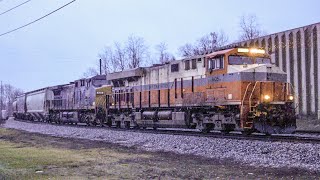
240 60
263 60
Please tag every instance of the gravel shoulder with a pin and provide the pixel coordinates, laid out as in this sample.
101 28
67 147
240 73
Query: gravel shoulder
170 156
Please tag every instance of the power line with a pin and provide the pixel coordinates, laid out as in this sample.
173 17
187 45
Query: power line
8 32
14 7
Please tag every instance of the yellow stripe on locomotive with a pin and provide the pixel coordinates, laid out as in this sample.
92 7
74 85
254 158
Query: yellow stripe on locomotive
101 93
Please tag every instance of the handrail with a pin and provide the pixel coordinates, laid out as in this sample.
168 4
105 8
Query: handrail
254 87
241 109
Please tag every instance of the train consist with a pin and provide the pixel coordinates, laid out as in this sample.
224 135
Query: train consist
236 89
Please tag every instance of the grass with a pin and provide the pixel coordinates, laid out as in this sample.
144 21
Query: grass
19 161
33 161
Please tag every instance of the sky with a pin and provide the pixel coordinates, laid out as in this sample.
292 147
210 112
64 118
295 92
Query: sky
59 48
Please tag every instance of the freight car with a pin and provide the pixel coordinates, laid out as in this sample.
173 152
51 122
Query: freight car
33 105
236 89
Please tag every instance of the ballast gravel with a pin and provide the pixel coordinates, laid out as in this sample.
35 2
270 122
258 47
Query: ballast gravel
251 152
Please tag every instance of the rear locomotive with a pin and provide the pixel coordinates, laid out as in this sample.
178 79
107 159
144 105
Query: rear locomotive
75 102
236 89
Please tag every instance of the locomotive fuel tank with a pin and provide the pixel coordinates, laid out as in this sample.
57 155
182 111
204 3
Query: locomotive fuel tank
149 115
165 115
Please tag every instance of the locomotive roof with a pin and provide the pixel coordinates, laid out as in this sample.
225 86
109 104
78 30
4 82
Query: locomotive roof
136 72
96 77
219 52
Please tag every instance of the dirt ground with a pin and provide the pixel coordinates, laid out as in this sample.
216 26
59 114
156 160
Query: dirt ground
26 155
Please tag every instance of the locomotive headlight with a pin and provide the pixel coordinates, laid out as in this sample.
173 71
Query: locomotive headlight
257 51
266 97
291 98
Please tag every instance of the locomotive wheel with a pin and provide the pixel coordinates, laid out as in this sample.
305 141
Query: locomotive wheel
127 124
205 127
118 124
226 128
225 131
247 132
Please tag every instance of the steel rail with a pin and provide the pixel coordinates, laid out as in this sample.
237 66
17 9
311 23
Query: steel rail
295 138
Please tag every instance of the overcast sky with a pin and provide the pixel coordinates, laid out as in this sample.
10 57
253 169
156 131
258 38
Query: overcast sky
61 47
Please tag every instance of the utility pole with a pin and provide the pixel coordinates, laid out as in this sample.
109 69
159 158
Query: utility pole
100 65
1 100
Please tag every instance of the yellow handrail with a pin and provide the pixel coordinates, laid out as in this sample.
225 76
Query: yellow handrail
254 87
241 109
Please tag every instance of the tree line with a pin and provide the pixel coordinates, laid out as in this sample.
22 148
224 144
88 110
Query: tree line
8 94
135 53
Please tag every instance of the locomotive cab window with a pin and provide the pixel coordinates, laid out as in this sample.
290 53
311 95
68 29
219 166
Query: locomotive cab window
194 64
240 60
263 61
216 63
187 65
174 67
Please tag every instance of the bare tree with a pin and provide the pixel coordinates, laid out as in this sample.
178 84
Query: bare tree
108 62
187 50
249 27
90 72
136 51
222 39
164 56
119 56
10 94
206 44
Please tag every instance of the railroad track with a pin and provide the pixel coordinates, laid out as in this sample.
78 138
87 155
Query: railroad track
298 138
